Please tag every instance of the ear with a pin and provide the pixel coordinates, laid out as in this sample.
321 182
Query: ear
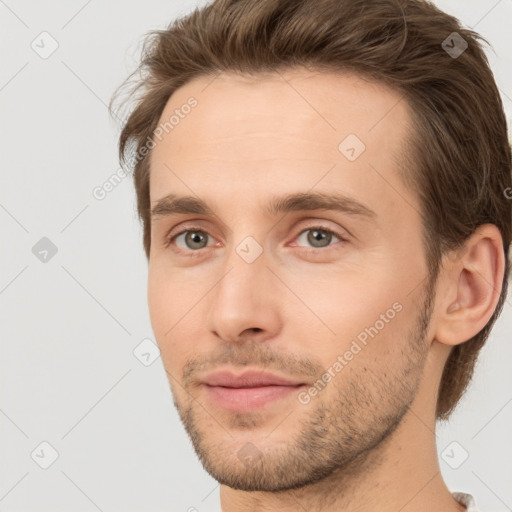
471 283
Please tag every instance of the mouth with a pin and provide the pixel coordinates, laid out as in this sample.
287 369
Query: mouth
250 398
249 391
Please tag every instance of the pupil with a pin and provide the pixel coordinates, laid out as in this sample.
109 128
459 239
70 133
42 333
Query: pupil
319 236
195 237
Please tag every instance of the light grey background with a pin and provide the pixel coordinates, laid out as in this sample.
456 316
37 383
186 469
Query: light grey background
70 325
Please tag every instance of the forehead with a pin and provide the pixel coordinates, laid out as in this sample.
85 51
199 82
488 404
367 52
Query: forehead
326 104
282 128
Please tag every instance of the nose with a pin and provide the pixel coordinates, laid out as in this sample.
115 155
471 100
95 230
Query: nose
246 301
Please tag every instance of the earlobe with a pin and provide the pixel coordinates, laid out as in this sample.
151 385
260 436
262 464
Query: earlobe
473 283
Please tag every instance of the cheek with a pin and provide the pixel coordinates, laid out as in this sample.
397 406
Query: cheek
367 306
176 302
167 311
169 293
159 304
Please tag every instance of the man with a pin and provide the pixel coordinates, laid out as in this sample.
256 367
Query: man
322 188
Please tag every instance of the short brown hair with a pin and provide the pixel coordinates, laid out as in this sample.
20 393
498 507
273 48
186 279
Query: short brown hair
458 160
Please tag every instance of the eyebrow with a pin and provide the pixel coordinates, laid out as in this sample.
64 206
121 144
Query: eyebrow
304 201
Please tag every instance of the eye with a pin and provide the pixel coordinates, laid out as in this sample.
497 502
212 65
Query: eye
318 236
193 239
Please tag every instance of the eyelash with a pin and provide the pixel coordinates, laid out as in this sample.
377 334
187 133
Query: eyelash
170 239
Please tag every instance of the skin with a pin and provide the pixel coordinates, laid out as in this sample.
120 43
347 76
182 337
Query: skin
366 441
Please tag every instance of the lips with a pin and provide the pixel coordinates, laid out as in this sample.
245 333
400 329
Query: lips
248 379
249 390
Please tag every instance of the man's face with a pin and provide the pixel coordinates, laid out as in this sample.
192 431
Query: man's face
331 300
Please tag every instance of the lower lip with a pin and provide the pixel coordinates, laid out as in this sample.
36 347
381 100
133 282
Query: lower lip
236 399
